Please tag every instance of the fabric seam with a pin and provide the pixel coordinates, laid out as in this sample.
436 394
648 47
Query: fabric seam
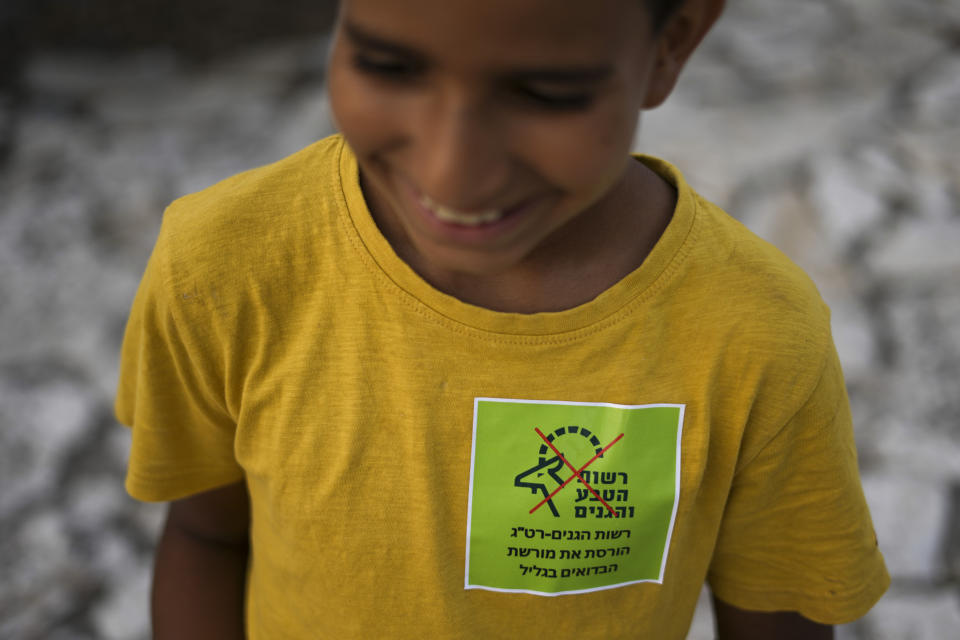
547 339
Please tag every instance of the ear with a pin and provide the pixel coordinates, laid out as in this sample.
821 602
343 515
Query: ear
675 42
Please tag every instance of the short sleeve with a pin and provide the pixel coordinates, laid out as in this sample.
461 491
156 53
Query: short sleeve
796 532
171 389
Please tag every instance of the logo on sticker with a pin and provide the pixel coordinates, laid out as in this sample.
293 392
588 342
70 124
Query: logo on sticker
571 497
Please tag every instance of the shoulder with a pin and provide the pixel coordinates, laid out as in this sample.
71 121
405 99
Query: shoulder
253 219
754 331
729 275
744 313
261 196
751 285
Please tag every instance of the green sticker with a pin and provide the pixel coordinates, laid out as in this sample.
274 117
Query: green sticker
568 497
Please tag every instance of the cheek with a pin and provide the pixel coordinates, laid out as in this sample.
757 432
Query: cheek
584 157
360 114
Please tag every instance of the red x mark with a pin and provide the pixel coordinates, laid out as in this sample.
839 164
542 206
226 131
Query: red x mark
576 473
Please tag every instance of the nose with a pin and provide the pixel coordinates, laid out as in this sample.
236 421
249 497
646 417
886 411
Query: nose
462 157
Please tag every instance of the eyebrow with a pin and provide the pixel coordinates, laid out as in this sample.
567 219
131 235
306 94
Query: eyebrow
559 75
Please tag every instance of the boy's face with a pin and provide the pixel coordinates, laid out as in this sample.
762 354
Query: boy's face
487 130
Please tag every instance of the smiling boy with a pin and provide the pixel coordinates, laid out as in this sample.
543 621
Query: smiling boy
471 370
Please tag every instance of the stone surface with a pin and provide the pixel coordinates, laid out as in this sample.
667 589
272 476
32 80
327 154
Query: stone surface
919 251
40 426
119 616
829 127
916 616
849 200
910 518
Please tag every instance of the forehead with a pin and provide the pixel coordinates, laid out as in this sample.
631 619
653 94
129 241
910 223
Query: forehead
530 30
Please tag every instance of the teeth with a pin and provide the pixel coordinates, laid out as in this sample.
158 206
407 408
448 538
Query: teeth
473 219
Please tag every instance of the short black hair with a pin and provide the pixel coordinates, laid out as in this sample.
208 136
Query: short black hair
661 10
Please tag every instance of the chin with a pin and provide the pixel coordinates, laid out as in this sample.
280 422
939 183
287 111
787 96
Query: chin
471 266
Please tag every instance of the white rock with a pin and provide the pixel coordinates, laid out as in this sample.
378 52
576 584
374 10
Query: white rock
123 614
927 616
782 218
718 148
932 155
904 446
44 540
40 576
850 631
881 167
938 94
910 518
151 517
787 220
922 251
39 427
115 556
305 120
117 446
847 206
947 313
33 612
921 392
930 12
94 500
160 132
933 198
781 52
853 337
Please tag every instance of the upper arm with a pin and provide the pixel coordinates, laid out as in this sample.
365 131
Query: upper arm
734 623
220 515
796 533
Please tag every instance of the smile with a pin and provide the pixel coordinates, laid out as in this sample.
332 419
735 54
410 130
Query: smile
472 219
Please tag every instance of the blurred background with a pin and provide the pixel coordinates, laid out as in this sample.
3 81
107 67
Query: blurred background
830 127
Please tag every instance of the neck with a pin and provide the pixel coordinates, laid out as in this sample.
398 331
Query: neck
586 257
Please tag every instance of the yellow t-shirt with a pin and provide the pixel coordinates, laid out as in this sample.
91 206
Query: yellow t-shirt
420 467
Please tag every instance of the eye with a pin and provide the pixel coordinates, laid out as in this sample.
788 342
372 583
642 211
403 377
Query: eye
386 65
558 99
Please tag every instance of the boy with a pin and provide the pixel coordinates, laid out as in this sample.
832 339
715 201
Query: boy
473 371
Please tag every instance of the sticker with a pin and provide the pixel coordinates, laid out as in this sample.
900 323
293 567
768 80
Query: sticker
571 497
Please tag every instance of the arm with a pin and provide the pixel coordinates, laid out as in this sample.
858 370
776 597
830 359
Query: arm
734 623
200 570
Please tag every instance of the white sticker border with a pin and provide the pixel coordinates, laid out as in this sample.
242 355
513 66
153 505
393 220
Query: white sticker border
673 516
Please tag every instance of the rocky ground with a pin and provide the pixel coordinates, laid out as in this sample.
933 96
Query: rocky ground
831 127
